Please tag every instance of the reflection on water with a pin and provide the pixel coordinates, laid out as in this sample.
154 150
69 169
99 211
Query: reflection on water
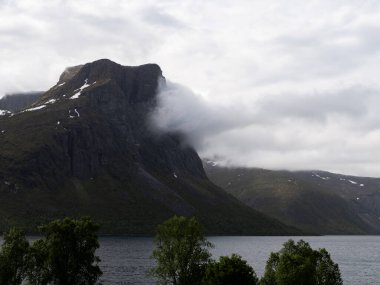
126 260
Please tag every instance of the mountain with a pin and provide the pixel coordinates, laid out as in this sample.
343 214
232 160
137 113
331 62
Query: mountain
18 101
318 201
86 147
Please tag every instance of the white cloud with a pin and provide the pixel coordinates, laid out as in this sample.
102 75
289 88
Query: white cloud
282 84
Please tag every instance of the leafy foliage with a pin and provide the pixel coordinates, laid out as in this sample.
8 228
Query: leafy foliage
70 251
66 255
38 272
299 264
230 271
13 257
327 272
181 251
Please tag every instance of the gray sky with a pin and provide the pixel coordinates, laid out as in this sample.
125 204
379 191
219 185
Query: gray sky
275 84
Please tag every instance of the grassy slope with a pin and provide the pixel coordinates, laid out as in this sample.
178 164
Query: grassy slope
287 197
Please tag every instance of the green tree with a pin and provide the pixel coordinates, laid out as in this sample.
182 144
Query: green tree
181 252
299 264
230 271
67 253
13 257
327 272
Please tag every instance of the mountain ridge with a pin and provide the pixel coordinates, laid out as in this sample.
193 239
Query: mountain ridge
15 102
328 203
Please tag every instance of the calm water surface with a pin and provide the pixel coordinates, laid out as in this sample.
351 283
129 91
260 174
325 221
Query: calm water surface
125 260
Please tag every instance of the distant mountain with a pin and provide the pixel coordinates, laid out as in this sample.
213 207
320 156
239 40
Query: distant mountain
85 147
316 201
18 101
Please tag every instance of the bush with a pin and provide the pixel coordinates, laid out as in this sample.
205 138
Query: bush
230 271
299 264
181 252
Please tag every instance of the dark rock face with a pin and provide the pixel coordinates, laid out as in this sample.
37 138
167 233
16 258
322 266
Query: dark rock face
18 101
119 102
87 148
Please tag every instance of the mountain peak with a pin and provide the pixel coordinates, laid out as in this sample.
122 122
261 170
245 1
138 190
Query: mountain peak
69 73
104 79
86 147
138 83
103 69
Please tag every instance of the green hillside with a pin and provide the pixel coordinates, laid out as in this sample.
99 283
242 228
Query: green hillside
314 201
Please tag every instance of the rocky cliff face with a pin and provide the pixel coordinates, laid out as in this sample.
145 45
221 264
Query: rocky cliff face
86 148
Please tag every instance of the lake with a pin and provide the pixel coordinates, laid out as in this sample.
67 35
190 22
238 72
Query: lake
125 260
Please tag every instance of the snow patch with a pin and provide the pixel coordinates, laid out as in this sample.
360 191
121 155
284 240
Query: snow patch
175 175
352 182
77 94
61 84
323 178
4 112
51 101
35 108
77 115
58 123
357 198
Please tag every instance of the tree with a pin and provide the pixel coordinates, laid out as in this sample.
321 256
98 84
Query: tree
299 264
230 271
38 272
181 251
13 257
327 272
67 254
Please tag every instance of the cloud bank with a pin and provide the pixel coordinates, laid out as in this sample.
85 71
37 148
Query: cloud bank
337 131
278 84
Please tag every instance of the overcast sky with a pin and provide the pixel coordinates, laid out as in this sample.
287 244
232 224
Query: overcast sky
274 84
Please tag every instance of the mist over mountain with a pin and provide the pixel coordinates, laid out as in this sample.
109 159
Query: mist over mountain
181 110
333 131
